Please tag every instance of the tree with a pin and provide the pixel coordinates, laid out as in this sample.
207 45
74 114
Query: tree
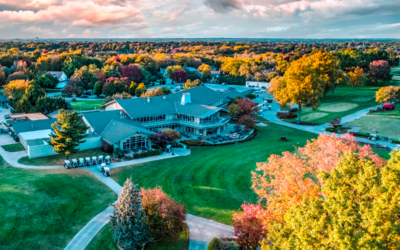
247 106
206 75
33 92
164 216
161 139
47 81
175 135
2 75
388 94
189 84
248 226
87 75
295 175
233 109
132 88
360 210
171 69
250 96
15 88
128 222
16 76
69 132
140 90
98 89
179 76
248 121
132 72
204 67
306 81
379 71
156 92
357 77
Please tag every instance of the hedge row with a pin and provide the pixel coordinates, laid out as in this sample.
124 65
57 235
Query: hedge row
148 154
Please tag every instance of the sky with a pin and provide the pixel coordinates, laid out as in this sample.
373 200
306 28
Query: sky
199 19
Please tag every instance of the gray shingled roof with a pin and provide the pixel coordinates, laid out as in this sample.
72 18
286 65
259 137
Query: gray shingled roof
99 120
119 130
229 96
197 110
29 126
169 104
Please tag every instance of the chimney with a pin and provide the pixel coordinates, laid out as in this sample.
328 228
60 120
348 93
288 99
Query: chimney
186 99
148 99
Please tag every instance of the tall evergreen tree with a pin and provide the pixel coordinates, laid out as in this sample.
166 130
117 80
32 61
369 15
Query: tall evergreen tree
128 223
69 132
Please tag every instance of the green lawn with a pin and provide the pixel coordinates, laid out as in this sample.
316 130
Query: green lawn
214 180
13 147
104 240
345 101
57 160
45 209
386 123
82 105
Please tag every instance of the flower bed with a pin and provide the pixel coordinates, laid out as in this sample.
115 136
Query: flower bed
288 115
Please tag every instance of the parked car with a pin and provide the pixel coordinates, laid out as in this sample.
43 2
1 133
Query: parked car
388 106
84 96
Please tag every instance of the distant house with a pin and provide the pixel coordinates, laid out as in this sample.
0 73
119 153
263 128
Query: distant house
215 74
62 78
4 100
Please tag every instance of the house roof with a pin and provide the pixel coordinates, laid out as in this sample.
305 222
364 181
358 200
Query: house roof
116 131
57 74
197 110
35 135
29 126
4 98
53 114
99 120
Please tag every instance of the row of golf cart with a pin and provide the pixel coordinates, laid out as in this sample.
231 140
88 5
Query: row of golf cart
104 162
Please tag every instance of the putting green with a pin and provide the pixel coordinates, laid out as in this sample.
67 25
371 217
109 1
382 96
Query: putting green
313 116
361 99
338 107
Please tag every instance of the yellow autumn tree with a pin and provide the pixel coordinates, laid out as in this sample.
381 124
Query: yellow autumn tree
387 94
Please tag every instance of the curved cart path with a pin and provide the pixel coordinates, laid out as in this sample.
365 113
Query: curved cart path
201 231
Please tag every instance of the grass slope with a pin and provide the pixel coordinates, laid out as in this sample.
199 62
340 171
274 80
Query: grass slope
104 240
13 147
82 105
44 209
214 181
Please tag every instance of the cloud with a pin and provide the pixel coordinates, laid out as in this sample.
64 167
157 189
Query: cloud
37 30
79 14
223 6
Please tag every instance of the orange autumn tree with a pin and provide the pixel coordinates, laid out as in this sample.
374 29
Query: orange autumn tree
287 180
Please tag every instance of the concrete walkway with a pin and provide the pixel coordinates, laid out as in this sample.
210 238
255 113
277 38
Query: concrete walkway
201 231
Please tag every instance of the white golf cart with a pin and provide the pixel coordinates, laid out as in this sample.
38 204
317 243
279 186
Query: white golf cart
81 162
94 160
67 164
87 161
74 163
105 170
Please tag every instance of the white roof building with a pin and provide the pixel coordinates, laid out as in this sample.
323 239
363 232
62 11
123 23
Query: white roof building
62 78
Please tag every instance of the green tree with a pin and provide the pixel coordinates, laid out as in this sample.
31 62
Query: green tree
359 210
33 92
140 90
128 222
47 81
2 75
87 76
98 88
69 132
132 88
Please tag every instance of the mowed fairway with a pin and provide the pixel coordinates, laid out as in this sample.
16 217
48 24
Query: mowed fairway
44 209
83 105
214 180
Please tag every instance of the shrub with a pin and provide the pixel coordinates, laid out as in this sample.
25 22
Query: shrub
332 130
118 152
248 226
215 244
164 216
288 115
107 148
